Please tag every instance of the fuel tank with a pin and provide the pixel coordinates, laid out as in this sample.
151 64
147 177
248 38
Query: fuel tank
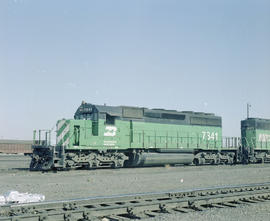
159 159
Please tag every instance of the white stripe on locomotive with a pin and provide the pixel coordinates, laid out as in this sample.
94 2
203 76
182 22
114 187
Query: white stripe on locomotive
60 124
60 138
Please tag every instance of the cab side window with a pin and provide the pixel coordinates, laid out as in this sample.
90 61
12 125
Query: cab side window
110 119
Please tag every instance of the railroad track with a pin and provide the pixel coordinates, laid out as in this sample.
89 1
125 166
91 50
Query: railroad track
138 206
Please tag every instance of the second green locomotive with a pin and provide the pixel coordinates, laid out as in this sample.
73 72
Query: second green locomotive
255 133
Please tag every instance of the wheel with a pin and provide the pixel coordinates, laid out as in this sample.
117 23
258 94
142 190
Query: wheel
47 165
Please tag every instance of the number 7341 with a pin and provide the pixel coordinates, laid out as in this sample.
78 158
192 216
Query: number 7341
207 135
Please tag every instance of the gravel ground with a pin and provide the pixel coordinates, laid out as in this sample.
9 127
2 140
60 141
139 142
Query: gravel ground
14 175
242 213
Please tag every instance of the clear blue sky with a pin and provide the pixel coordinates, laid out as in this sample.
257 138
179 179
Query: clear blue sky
211 56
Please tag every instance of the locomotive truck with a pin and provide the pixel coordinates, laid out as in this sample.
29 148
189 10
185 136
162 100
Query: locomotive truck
123 136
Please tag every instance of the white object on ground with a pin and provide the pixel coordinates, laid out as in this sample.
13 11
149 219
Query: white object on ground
16 197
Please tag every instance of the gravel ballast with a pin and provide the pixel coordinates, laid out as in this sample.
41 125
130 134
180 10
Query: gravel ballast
14 175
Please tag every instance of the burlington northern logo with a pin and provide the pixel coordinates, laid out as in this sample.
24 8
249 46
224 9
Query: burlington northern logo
110 131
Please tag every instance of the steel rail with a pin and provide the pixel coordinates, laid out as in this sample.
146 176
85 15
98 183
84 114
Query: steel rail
137 206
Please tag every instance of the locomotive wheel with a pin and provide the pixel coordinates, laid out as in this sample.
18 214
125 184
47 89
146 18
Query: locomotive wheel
47 165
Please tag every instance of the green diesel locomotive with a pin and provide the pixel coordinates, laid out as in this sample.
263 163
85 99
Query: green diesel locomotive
122 136
255 133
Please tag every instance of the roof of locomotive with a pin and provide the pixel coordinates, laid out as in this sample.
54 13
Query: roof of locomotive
149 115
257 123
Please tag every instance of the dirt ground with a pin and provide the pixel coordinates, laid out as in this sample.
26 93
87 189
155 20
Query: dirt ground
14 175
